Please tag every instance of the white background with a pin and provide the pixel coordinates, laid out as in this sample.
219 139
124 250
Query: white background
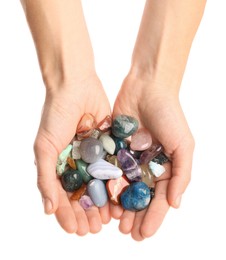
195 231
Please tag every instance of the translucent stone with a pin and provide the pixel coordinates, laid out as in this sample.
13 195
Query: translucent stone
71 163
108 143
126 160
86 202
151 153
86 123
141 140
78 193
105 124
124 126
91 150
113 160
146 175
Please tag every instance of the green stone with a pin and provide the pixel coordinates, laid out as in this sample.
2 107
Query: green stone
65 153
124 126
119 144
82 168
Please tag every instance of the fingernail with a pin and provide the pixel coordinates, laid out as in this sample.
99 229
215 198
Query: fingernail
178 201
47 205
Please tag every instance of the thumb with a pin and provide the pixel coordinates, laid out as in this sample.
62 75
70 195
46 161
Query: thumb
47 182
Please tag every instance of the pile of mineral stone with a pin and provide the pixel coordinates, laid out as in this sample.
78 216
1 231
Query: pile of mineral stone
113 160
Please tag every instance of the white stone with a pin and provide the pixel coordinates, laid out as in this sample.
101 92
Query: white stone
157 169
108 143
104 170
75 150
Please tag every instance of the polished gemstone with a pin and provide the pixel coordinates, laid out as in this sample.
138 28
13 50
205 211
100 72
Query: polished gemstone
141 140
146 175
136 197
97 192
104 170
86 202
71 163
105 124
135 154
79 192
134 174
126 160
151 153
115 188
119 143
113 160
91 150
61 167
82 168
108 143
124 126
161 158
71 180
156 169
86 123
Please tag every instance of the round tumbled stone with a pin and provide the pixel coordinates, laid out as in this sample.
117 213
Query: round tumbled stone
124 126
136 197
97 192
71 180
86 202
91 150
141 140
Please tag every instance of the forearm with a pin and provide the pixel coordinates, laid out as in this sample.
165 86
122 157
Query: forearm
164 40
61 39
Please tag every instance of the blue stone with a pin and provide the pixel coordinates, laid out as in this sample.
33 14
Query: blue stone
97 192
119 143
71 180
136 197
124 126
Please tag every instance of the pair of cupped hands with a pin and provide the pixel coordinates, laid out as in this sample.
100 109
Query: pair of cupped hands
157 109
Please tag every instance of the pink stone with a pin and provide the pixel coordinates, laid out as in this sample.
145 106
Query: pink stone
141 140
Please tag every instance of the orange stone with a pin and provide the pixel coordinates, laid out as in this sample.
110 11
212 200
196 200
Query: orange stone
105 124
78 193
86 123
71 163
115 187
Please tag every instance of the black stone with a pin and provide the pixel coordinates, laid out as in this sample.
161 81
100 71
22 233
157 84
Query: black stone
71 180
160 159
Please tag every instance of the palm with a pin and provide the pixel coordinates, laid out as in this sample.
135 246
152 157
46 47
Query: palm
161 114
60 117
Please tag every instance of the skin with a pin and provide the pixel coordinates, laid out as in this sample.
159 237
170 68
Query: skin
67 64
150 92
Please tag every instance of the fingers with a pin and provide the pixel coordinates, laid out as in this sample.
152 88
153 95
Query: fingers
46 157
181 173
116 211
156 212
126 222
105 213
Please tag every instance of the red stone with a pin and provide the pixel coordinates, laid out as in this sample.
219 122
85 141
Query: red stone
115 188
105 124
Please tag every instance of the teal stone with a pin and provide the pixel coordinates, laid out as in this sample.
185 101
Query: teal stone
71 180
82 168
124 126
119 143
